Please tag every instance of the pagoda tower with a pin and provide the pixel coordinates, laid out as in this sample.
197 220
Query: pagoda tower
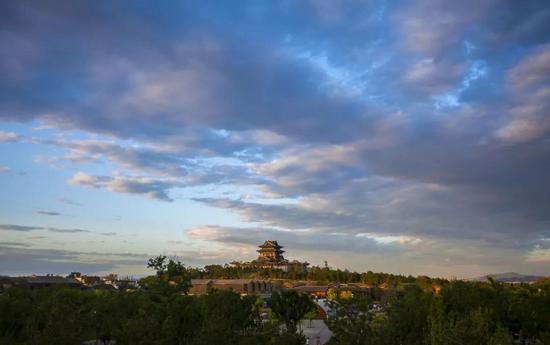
271 252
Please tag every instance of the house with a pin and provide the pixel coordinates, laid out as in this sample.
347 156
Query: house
86 280
127 284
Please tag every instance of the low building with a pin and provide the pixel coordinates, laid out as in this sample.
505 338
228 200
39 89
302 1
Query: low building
317 291
361 291
240 286
127 284
88 280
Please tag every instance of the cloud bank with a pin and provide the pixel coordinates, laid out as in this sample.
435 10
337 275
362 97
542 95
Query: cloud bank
417 120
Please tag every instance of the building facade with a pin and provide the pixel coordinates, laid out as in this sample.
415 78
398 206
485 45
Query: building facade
240 286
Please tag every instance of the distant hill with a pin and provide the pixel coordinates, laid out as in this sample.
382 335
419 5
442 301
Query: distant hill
510 277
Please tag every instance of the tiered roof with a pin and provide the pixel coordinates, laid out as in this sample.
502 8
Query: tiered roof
272 252
270 246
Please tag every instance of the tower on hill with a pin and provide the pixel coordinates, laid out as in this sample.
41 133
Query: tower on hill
271 257
271 252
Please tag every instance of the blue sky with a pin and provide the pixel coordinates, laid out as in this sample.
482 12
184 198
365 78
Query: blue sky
406 136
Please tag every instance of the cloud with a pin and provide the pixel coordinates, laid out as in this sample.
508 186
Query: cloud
529 85
6 137
297 240
398 207
13 227
25 261
149 159
4 169
431 77
200 76
405 255
168 161
419 120
13 244
154 189
430 27
176 242
436 28
303 170
24 228
109 233
67 231
48 213
69 202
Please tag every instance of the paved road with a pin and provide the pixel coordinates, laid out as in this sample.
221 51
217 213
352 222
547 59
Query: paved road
317 329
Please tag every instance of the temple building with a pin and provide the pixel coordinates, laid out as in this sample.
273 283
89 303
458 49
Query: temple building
271 252
271 257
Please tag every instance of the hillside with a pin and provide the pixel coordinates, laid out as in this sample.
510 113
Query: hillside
509 277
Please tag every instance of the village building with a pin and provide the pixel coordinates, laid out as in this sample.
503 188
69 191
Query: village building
35 281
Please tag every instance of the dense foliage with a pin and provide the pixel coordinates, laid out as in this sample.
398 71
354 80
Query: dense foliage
315 273
161 313
427 312
290 307
70 316
460 313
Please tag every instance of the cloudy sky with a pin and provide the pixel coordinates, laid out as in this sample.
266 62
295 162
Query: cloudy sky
399 136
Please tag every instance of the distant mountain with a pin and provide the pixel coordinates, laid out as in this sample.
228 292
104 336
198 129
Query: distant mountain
510 277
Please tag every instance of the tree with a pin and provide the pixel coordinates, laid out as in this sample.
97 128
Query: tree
15 313
61 317
227 318
351 322
171 276
407 317
103 316
183 320
310 316
501 336
290 307
142 317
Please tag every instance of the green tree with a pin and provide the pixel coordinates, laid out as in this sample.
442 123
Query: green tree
183 320
501 336
227 318
104 317
60 317
289 307
15 313
407 317
351 321
144 315
171 276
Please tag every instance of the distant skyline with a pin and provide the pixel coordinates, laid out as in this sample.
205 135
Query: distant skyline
408 137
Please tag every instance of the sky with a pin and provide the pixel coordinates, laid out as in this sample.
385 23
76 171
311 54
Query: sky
409 137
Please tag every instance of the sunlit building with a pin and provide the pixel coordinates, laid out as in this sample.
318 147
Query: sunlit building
271 257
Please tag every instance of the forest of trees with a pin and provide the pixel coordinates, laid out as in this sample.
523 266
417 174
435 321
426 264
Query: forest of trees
162 313
460 313
315 273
